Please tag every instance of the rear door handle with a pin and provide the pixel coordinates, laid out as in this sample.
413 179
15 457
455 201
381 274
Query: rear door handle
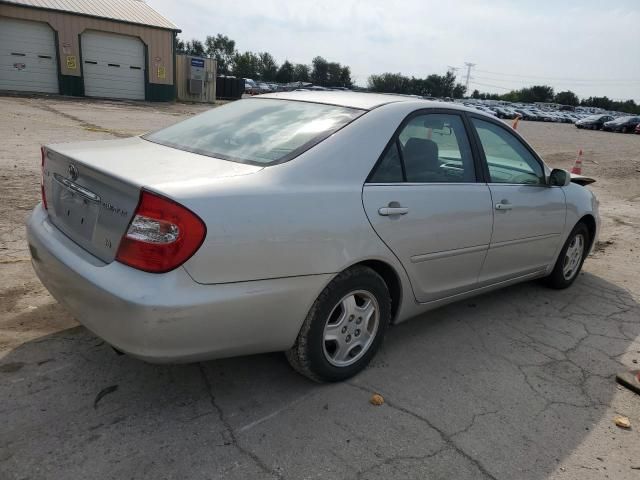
387 211
503 206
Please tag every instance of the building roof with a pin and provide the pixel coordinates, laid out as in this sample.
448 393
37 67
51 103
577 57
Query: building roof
129 11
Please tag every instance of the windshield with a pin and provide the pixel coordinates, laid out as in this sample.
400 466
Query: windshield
256 131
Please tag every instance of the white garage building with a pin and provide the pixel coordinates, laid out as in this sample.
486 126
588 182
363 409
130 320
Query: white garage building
98 48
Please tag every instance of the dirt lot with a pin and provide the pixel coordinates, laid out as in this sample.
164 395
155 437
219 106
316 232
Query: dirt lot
517 384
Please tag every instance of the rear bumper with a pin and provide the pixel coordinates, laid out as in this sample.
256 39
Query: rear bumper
169 317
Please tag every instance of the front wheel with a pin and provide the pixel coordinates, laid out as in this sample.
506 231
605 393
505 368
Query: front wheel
571 258
344 327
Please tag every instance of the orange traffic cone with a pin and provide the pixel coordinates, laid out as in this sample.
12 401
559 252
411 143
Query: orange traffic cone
577 167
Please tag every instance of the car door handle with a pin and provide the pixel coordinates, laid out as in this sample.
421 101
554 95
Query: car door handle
503 206
387 211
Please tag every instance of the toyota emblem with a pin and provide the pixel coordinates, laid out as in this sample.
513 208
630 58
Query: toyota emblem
73 172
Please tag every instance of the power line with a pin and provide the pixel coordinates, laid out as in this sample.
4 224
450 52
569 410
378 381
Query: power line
568 82
488 85
560 78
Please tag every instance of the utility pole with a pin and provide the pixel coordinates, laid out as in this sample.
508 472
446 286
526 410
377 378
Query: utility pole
469 65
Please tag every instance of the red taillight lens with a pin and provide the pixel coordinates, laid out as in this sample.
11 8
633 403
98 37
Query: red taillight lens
43 152
162 235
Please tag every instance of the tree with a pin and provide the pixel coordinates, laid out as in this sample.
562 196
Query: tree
320 71
193 47
333 74
475 94
222 49
285 72
458 91
301 72
268 67
567 98
389 83
179 45
345 77
537 93
246 65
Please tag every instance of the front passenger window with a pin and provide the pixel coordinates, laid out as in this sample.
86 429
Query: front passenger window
509 161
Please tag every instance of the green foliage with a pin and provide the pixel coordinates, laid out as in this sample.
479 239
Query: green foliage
246 65
194 48
389 83
320 71
262 66
345 77
567 98
222 49
268 67
285 73
301 72
628 106
434 85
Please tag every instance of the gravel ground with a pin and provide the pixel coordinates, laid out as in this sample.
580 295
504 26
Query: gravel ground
516 384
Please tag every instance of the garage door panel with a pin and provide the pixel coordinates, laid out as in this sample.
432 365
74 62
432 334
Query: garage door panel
27 56
107 61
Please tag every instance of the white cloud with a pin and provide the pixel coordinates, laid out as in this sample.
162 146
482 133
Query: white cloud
589 46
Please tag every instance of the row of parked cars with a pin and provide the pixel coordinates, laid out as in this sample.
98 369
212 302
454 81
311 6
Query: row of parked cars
609 123
600 121
527 113
252 87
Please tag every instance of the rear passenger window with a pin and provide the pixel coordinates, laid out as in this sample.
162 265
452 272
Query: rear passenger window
389 170
435 149
431 148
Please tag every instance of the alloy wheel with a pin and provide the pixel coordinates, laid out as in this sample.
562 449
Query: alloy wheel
351 328
573 257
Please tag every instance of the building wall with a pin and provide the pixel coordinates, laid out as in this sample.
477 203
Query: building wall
69 27
182 80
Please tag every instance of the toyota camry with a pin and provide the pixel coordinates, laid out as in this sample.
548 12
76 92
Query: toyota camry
303 222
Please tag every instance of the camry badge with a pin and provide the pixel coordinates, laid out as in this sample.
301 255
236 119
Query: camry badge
73 172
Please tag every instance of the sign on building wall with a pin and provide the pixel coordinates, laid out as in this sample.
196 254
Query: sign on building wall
162 72
71 62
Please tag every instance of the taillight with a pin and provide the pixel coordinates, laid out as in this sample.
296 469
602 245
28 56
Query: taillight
43 152
162 235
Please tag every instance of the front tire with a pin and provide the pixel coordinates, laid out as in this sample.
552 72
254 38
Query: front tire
344 328
571 258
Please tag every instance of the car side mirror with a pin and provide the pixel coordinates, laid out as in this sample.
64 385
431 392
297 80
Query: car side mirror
559 178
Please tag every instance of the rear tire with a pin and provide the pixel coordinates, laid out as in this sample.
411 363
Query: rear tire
344 328
571 258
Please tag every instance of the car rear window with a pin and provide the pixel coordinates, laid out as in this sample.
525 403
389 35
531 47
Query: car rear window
256 131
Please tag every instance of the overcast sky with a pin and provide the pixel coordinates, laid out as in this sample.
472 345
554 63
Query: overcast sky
589 46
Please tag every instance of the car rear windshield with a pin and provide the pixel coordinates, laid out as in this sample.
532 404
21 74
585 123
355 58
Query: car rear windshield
258 131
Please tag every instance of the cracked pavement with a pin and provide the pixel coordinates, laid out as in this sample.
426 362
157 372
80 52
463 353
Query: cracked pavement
515 384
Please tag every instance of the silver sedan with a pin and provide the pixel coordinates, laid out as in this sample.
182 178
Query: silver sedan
304 222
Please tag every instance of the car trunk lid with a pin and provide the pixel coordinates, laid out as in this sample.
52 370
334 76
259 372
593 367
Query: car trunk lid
93 188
